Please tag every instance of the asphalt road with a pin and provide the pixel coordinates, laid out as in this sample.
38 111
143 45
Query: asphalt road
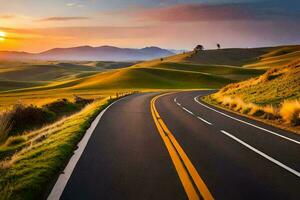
126 157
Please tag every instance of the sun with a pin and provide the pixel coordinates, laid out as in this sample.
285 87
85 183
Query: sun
2 35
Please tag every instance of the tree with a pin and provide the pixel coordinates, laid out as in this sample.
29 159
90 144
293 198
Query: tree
219 46
199 48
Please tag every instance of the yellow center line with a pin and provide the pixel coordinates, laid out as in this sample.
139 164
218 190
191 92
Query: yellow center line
189 177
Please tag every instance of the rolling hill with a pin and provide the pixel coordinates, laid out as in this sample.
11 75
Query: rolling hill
273 97
40 80
273 87
88 53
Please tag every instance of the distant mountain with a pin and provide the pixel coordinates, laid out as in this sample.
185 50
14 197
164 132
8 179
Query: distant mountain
82 53
177 51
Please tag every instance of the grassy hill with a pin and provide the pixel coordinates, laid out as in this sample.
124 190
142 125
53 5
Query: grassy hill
277 57
16 75
274 96
41 82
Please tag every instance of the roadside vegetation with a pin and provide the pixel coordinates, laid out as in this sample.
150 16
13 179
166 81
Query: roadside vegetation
23 118
273 96
31 161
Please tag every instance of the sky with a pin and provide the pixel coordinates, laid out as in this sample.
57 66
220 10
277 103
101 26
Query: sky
35 25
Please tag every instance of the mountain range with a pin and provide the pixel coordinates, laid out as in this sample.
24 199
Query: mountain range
88 53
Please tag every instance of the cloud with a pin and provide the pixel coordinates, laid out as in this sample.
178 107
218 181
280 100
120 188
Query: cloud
75 5
7 16
70 4
64 18
216 12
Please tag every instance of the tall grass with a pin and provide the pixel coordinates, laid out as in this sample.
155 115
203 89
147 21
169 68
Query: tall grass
22 118
5 126
288 111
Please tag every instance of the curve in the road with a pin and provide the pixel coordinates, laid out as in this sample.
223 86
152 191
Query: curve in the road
191 180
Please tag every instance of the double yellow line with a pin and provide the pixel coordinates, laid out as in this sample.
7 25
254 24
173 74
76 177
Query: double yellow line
194 186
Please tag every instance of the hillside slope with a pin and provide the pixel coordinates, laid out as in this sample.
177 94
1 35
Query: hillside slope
274 86
278 57
273 97
17 75
256 58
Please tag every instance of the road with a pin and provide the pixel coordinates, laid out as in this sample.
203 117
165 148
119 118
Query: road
176 147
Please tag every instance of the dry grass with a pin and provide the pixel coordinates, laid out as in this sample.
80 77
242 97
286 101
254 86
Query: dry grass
273 97
290 112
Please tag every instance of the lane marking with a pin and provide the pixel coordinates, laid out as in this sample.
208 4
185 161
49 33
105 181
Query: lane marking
262 154
239 120
193 184
188 111
207 122
204 120
63 178
175 100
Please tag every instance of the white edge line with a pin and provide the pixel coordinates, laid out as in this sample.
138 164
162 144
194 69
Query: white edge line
204 120
262 154
63 178
258 127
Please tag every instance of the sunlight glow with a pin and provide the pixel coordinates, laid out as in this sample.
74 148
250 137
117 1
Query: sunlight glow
2 35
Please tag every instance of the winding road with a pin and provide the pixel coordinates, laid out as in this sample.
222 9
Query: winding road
173 146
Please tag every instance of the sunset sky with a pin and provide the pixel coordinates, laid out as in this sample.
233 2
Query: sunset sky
38 25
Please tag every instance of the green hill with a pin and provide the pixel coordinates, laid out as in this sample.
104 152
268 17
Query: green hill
273 96
274 86
40 82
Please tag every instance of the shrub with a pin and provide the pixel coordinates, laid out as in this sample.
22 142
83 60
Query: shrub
258 112
270 112
24 118
80 100
290 112
62 107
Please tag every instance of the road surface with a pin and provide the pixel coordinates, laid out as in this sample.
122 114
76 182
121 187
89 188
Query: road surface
176 147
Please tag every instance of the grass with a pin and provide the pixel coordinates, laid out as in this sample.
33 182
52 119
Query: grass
28 117
34 159
290 112
273 96
278 57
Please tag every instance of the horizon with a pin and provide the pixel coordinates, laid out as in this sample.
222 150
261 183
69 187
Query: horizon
167 24
150 46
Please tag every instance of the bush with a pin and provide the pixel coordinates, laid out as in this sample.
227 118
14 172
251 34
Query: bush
80 100
290 112
62 107
24 118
